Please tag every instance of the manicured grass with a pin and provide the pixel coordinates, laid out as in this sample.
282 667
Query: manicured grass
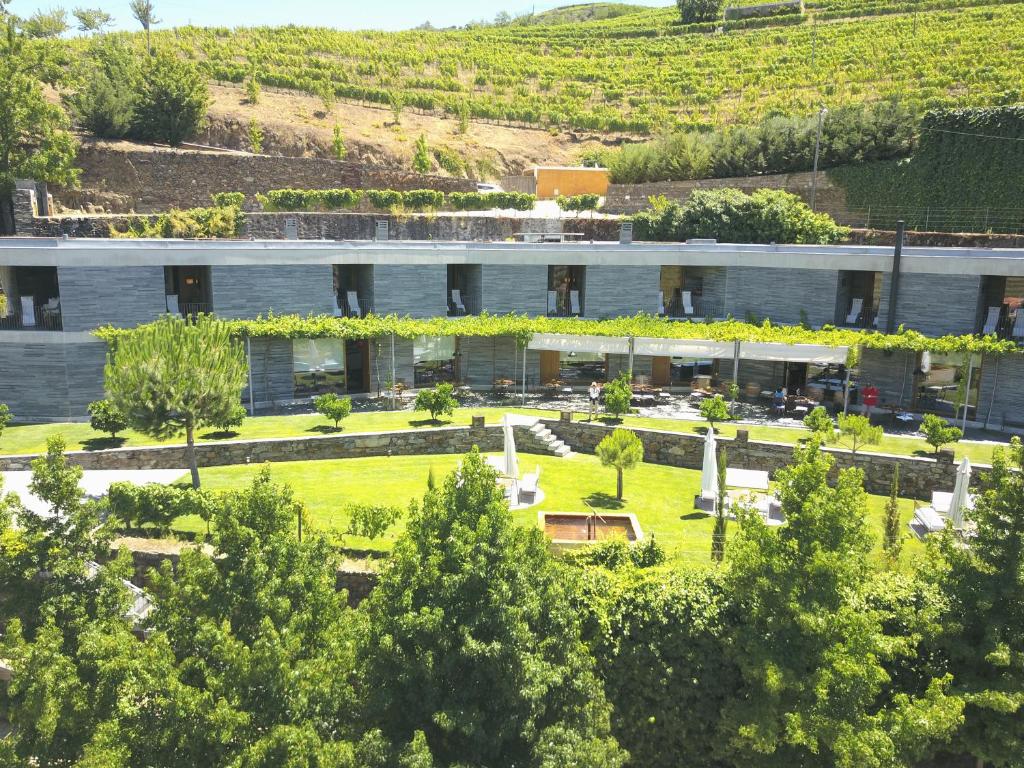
661 497
31 438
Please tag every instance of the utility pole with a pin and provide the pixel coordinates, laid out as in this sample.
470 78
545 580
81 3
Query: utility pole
817 152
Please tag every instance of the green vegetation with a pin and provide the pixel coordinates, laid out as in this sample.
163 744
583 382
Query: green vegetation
892 535
622 450
439 401
938 432
820 422
857 431
333 407
421 162
578 203
172 103
104 416
618 394
692 11
175 376
714 409
5 417
979 148
220 221
732 216
386 199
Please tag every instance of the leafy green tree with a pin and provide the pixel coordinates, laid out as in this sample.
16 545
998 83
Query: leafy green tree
371 520
983 626
421 162
618 394
714 409
858 431
45 24
104 101
176 375
439 401
252 89
691 11
468 595
892 535
34 140
92 19
718 535
820 423
231 420
397 103
143 12
808 650
173 100
623 450
5 416
255 137
333 407
338 148
938 432
104 416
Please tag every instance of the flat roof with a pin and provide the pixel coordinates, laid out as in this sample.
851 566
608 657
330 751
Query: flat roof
98 252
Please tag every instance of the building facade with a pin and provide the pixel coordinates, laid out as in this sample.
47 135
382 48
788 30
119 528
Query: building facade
58 291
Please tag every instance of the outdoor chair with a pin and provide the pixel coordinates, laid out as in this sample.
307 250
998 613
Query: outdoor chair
661 303
687 303
855 309
460 308
529 486
28 312
352 299
1018 325
172 304
338 310
992 321
552 302
574 303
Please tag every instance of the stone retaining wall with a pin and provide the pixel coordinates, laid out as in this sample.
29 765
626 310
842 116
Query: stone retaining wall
918 476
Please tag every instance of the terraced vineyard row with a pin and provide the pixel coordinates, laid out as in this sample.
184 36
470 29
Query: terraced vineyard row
601 76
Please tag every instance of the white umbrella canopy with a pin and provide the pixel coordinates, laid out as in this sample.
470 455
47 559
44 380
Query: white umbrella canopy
511 459
959 501
709 469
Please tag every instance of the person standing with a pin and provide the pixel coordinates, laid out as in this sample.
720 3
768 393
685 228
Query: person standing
868 399
595 394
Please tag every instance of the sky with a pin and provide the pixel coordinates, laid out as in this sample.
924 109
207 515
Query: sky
349 14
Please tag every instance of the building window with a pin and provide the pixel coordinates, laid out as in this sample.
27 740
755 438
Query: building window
565 291
581 367
686 369
434 360
942 386
318 366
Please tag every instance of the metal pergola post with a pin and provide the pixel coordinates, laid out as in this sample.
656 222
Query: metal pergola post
967 390
248 360
393 382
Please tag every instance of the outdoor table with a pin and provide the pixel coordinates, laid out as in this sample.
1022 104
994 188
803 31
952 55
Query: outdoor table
503 386
754 479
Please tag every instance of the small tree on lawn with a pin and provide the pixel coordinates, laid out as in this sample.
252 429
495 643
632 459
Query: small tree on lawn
820 423
231 420
718 535
623 450
5 416
333 407
714 409
618 395
858 430
439 401
892 540
175 375
104 416
938 432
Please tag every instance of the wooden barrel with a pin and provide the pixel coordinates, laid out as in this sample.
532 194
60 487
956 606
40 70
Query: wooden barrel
752 390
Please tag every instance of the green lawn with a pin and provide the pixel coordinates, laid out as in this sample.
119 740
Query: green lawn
32 438
661 497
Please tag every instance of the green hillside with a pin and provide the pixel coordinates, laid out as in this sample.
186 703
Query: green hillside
644 72
574 14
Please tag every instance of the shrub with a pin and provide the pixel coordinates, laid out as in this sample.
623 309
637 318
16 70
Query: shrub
157 505
421 161
859 431
252 89
485 201
450 160
618 394
615 554
173 101
371 520
623 450
692 11
578 202
103 108
228 199
338 148
819 422
255 137
195 223
231 420
333 199
420 199
714 409
384 199
938 432
333 407
104 416
439 401
5 416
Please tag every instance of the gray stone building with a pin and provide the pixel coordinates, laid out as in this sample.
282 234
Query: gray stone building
59 290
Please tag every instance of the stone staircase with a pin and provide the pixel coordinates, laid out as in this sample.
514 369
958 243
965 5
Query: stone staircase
549 443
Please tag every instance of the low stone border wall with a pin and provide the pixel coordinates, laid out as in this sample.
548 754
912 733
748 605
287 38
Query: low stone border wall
919 476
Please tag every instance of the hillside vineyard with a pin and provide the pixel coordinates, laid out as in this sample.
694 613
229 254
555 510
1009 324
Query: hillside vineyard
644 72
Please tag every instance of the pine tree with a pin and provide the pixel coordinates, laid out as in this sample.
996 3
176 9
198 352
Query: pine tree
421 157
718 535
175 375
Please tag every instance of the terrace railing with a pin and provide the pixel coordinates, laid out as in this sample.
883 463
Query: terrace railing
42 319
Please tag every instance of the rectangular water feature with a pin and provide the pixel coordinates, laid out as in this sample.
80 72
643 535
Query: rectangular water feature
574 529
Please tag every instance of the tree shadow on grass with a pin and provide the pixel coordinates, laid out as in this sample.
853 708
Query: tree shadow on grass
610 421
220 434
325 429
103 443
694 516
602 500
429 422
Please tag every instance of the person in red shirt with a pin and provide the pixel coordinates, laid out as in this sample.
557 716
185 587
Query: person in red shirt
868 398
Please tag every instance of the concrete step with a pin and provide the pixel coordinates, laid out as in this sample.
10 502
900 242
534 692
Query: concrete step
563 451
553 445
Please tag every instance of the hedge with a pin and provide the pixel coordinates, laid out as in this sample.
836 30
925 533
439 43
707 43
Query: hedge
386 199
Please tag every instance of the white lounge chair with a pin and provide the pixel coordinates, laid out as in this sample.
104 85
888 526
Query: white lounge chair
687 303
460 308
553 302
529 486
753 479
992 321
338 311
927 520
352 298
171 301
28 311
661 303
1018 325
574 303
855 308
